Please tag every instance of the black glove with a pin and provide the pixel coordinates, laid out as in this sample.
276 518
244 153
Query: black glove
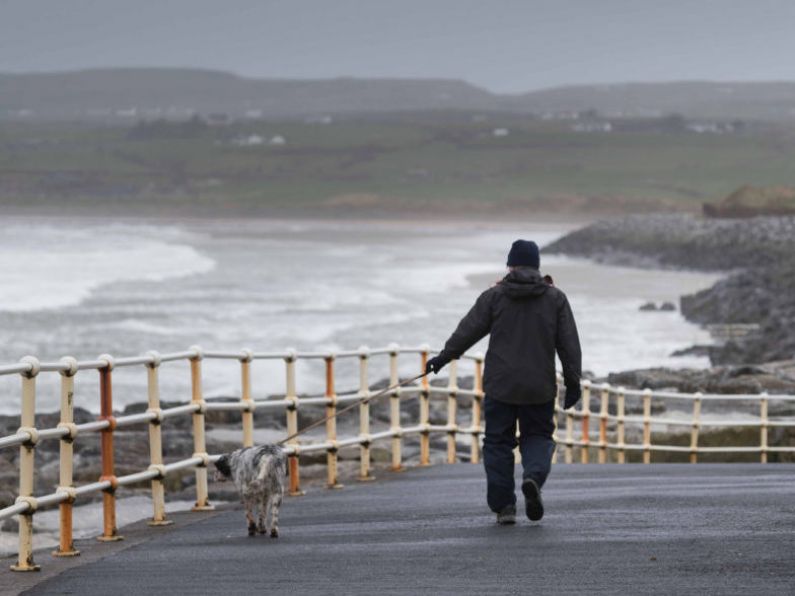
436 364
573 395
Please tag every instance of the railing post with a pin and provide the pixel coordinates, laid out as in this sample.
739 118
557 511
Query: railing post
647 426
425 433
66 547
331 425
199 444
156 443
586 421
452 407
364 416
109 530
27 452
695 428
247 411
763 428
394 411
557 409
292 424
620 426
604 401
477 405
568 452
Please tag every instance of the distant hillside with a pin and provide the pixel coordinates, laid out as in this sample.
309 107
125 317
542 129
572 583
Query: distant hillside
175 92
757 101
129 94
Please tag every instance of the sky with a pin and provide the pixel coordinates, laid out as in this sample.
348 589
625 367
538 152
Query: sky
507 46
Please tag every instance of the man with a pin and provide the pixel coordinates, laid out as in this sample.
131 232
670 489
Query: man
529 320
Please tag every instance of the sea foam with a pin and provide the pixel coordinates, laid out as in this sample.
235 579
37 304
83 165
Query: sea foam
45 267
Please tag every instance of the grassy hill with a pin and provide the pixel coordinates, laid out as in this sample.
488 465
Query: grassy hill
436 163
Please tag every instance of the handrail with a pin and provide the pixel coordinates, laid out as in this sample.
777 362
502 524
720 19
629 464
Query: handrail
65 495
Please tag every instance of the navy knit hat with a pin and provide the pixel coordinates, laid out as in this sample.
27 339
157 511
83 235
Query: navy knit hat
524 253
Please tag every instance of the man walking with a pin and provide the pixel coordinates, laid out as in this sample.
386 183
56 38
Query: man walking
529 320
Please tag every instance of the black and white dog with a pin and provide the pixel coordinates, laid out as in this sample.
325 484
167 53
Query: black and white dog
258 473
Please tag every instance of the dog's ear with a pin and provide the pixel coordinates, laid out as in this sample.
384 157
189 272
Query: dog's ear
222 465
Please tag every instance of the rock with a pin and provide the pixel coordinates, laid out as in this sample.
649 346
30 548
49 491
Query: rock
10 524
667 307
380 454
693 351
758 254
648 306
676 241
719 379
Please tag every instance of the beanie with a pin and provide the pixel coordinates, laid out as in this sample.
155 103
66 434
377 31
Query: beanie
524 253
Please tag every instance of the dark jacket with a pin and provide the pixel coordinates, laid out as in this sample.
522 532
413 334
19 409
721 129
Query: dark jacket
528 320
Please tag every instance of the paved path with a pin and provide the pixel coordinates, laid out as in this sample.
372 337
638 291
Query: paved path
632 529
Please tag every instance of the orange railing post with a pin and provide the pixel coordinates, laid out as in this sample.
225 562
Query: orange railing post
604 404
109 530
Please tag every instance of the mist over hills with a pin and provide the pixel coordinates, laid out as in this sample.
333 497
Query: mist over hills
131 94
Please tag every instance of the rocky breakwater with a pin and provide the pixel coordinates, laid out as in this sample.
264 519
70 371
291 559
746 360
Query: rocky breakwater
758 255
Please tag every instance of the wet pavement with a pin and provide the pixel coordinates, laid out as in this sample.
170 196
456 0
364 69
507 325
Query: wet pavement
631 529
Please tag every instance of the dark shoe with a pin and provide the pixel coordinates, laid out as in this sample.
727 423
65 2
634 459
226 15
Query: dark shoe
533 505
507 516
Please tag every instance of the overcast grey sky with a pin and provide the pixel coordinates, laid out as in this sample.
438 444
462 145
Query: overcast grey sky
504 45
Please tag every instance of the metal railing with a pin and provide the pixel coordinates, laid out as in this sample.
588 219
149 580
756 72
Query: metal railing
27 436
606 395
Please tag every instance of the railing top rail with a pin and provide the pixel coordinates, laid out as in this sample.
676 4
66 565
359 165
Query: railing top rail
68 364
15 369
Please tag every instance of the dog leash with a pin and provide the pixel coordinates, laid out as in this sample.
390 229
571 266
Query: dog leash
359 402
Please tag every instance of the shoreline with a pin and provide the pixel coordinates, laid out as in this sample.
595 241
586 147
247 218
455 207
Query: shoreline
756 255
488 216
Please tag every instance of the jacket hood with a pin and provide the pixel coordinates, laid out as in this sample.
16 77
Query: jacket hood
524 283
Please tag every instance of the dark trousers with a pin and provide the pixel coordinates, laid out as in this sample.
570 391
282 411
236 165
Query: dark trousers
536 426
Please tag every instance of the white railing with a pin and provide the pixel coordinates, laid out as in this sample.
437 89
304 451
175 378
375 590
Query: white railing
617 422
27 436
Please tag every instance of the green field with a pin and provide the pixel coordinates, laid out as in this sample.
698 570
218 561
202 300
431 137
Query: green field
439 163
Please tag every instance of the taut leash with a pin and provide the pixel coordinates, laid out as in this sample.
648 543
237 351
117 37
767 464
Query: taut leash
350 407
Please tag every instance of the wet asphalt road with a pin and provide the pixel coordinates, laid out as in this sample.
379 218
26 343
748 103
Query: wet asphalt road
631 529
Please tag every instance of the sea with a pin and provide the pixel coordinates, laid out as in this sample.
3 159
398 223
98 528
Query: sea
83 287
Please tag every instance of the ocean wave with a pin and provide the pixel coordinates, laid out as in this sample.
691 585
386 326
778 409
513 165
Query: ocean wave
48 268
